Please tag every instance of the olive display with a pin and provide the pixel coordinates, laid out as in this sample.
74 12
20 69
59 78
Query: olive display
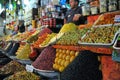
12 67
23 75
84 67
101 35
71 37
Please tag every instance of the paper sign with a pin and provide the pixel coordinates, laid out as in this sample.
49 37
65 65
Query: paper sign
29 68
117 18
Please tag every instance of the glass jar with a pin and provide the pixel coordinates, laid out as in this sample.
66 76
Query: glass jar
119 4
86 10
112 6
94 10
112 1
103 2
103 8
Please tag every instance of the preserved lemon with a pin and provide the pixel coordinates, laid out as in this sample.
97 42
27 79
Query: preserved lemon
61 68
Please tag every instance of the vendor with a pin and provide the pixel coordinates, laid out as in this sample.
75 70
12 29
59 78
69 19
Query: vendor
74 15
21 27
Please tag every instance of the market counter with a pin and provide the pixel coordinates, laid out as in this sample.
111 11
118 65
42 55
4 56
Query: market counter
99 50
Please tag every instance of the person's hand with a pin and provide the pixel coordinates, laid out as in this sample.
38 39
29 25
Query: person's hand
76 17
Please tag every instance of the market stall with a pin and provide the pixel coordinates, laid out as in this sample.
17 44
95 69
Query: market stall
73 53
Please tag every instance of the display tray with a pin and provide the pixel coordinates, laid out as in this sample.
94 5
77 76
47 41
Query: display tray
102 44
24 61
109 25
53 40
99 44
47 73
41 46
13 57
57 37
117 24
114 46
103 25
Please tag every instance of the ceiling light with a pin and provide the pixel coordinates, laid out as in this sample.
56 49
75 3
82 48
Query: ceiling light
18 2
26 2
2 10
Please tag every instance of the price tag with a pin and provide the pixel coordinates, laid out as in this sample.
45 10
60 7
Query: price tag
29 68
117 18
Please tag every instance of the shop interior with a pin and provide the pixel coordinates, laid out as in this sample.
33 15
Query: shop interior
37 44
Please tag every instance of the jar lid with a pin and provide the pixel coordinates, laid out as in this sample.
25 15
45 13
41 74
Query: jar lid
112 3
93 7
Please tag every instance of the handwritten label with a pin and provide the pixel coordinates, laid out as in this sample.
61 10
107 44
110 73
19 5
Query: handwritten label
117 18
29 68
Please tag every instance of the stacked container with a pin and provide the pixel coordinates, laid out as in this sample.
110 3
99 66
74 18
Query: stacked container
112 6
103 6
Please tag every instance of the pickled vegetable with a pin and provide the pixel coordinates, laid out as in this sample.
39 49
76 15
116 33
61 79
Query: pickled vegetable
83 67
72 37
23 75
12 67
101 35
24 53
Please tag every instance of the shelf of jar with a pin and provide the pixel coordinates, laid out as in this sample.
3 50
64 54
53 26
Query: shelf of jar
102 13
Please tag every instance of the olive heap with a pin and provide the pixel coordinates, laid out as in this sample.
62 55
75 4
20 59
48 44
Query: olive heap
84 67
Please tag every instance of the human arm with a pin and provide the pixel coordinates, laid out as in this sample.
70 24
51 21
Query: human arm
65 21
76 17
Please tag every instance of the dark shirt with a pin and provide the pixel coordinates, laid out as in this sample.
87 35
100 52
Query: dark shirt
70 14
21 28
